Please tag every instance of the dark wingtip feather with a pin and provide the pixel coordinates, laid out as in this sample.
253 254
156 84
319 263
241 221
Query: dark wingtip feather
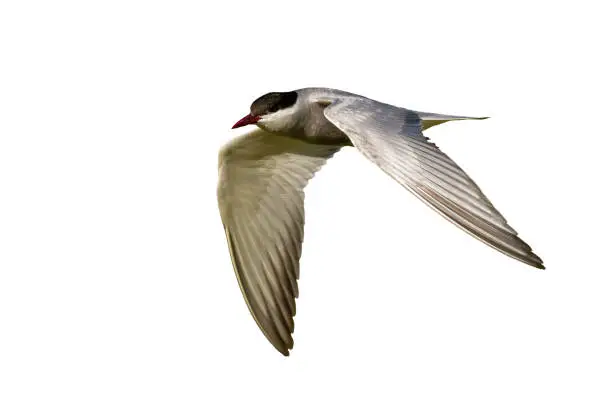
535 261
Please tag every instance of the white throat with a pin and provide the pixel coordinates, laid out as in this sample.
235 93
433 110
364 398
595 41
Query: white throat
282 121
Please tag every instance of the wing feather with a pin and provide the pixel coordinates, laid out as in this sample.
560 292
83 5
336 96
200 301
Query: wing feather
392 138
261 200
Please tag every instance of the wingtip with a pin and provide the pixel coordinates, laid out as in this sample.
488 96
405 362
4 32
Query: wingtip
283 348
537 262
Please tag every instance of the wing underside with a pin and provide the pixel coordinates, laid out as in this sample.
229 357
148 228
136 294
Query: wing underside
261 200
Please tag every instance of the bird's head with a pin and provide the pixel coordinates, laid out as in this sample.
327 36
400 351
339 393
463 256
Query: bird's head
274 112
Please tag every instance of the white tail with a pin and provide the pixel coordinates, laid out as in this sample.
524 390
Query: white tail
432 119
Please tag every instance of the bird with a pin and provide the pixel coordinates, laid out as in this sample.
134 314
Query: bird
263 173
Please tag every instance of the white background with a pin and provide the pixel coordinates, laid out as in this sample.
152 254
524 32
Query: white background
116 287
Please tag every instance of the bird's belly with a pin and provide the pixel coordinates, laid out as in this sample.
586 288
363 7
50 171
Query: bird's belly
325 134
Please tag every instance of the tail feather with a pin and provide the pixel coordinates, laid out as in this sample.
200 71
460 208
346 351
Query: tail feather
432 119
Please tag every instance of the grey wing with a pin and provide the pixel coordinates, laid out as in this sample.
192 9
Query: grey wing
392 138
261 201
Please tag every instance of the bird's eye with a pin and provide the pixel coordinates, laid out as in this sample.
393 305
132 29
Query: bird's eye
273 109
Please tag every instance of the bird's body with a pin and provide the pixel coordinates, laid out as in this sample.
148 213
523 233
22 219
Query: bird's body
262 176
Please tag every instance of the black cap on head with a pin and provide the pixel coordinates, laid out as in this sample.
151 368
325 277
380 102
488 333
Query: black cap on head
273 101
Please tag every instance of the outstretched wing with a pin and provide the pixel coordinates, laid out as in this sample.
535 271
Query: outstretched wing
392 138
261 201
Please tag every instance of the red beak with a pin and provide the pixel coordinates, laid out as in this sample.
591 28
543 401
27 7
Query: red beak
247 120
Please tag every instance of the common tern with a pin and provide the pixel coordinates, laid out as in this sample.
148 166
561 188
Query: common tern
262 175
